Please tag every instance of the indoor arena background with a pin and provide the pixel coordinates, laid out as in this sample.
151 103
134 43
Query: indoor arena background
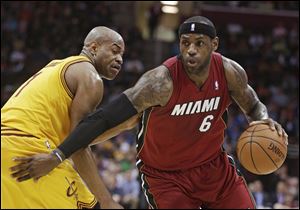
262 36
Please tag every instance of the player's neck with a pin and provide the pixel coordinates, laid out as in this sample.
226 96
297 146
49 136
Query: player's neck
87 54
200 76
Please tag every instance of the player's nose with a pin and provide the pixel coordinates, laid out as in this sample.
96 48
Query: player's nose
192 50
119 59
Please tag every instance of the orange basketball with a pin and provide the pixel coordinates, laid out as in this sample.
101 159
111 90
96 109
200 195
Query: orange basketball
261 150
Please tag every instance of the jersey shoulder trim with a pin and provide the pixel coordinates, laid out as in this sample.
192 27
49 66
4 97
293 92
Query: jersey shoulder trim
63 71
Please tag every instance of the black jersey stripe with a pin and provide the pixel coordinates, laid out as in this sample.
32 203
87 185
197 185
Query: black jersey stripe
145 186
140 138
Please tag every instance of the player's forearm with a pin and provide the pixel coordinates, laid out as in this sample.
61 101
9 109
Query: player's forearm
127 125
258 112
106 136
96 124
87 169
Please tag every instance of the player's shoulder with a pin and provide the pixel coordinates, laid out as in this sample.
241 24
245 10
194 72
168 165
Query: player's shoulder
153 88
83 73
158 75
227 62
77 58
231 66
171 61
234 73
80 65
161 71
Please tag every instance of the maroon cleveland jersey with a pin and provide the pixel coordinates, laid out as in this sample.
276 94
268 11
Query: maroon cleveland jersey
189 130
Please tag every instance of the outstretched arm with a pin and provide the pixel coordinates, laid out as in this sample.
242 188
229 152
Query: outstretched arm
246 98
154 88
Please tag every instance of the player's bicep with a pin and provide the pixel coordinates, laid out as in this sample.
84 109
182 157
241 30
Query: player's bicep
88 93
154 88
87 97
240 91
246 99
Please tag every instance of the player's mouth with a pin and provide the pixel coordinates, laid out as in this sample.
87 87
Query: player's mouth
115 69
192 62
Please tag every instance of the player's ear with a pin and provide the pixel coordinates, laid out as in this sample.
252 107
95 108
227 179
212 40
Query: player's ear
91 47
215 43
94 47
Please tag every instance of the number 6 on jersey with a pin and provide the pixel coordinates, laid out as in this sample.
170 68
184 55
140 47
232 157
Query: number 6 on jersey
206 123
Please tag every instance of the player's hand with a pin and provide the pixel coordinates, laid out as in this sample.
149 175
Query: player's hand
273 126
111 204
34 166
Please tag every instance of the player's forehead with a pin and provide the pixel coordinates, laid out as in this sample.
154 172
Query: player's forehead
118 41
115 41
193 36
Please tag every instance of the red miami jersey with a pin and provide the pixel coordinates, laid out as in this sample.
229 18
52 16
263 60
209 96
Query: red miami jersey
189 130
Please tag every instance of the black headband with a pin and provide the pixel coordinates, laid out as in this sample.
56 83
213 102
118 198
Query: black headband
197 28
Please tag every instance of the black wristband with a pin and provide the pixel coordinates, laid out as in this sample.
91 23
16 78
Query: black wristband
111 115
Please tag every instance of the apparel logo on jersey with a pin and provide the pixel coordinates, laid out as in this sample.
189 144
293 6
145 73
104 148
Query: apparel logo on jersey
195 107
72 190
48 144
193 27
216 85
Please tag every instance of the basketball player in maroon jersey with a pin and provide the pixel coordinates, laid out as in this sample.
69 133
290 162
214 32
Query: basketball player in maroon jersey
179 145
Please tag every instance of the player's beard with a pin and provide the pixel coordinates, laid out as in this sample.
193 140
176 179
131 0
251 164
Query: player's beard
205 64
201 68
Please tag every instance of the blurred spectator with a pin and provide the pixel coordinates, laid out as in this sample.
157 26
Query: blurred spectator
154 17
130 188
133 67
262 199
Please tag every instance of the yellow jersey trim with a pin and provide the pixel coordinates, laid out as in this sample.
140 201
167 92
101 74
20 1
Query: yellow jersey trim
81 205
62 74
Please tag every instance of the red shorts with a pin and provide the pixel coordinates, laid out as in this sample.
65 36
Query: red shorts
215 184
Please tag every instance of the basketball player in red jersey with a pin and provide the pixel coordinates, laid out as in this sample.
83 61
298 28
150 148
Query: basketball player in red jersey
179 147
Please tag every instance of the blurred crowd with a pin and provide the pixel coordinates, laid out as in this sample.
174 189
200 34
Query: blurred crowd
33 33
259 5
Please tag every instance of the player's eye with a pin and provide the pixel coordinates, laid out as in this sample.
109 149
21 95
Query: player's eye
185 43
200 43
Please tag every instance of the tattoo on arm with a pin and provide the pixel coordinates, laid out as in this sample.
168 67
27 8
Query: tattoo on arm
240 76
242 93
153 88
258 112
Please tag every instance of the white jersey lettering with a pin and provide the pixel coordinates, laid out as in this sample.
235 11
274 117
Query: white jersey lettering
196 107
179 109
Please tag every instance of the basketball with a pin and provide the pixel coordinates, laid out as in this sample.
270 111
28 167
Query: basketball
261 150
